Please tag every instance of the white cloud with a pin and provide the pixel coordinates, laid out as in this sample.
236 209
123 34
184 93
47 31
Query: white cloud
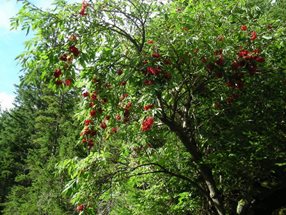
6 101
7 10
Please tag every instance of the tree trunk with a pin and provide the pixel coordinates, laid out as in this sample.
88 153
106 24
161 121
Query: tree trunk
213 191
204 170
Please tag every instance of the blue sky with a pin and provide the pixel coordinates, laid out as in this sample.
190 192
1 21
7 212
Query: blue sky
11 45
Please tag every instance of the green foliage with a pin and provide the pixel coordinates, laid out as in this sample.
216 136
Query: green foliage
16 128
180 101
36 135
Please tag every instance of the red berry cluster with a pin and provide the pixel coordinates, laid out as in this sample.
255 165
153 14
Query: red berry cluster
99 121
154 68
147 123
245 63
148 107
150 42
59 80
66 59
84 6
97 113
80 208
253 34
91 129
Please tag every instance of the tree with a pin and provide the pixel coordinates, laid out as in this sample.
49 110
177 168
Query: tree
36 136
16 128
182 78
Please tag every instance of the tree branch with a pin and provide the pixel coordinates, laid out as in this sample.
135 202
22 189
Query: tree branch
172 174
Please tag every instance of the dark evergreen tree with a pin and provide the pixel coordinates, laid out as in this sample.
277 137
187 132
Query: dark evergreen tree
16 129
35 136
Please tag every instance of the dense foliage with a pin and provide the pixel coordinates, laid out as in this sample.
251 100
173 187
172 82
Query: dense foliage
34 137
180 109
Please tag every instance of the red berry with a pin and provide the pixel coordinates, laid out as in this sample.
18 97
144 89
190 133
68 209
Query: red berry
64 57
90 143
259 59
85 94
83 8
69 58
92 133
220 61
150 42
253 35
57 73
122 83
114 130
147 107
243 53
92 113
59 82
118 117
68 82
93 96
103 125
153 70
74 50
148 82
123 96
119 72
156 55
235 65
86 131
80 208
87 122
128 106
243 27
126 113
147 123
256 51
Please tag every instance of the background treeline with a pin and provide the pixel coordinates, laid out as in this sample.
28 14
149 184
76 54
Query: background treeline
35 135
